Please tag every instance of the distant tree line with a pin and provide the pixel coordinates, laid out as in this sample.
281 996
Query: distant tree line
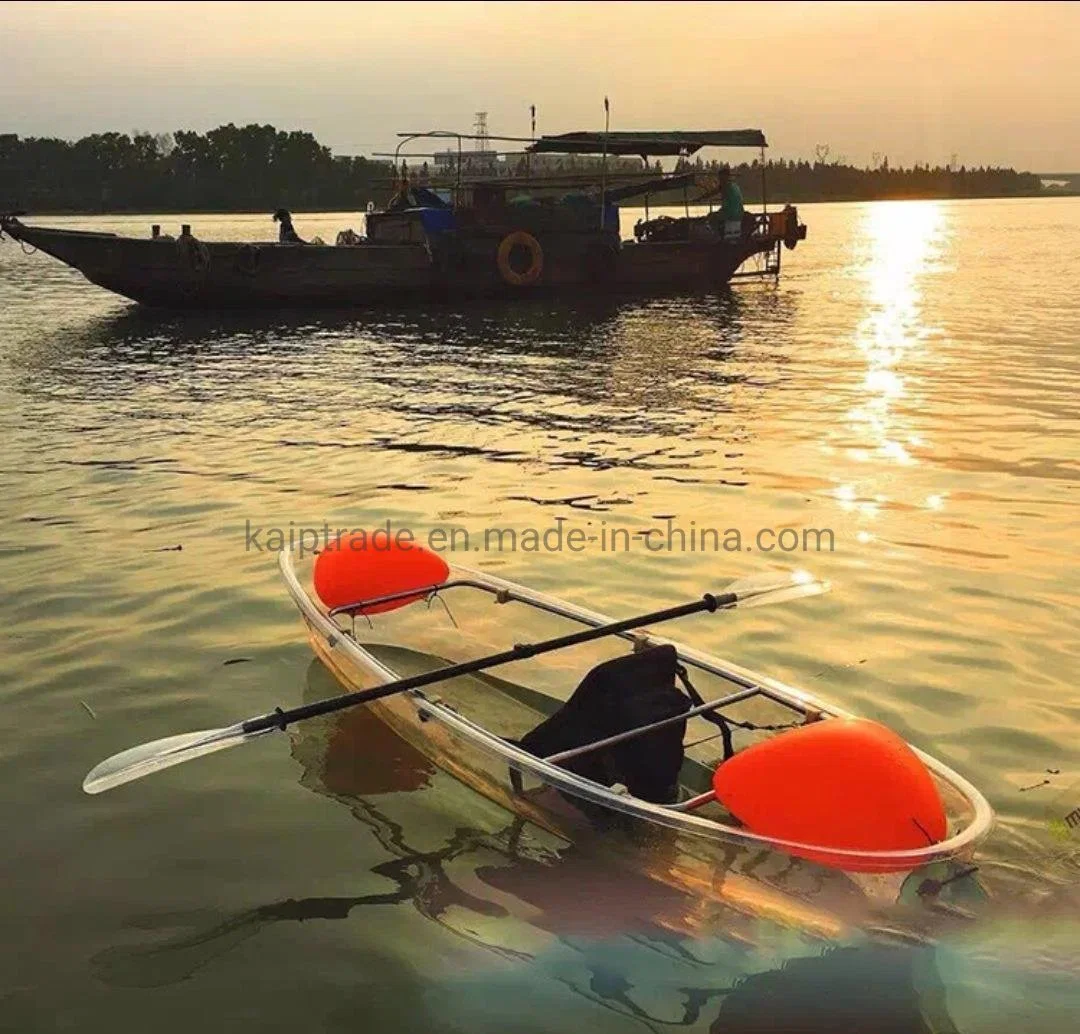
824 180
258 168
247 168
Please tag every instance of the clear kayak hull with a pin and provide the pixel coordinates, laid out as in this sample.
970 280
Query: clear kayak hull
468 726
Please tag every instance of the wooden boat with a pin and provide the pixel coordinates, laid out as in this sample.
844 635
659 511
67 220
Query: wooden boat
509 236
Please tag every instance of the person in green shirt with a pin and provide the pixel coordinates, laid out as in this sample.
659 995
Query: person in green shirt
731 205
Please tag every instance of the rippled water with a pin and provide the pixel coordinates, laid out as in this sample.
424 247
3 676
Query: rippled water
911 386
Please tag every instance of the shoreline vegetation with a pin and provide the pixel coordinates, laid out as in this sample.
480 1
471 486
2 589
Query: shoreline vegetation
259 168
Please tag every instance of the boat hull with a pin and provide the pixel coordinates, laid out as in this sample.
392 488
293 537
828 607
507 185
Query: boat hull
186 273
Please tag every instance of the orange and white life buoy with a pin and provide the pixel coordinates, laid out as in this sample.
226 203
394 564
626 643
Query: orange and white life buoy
520 239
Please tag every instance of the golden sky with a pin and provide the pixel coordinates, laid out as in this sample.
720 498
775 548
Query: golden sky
986 82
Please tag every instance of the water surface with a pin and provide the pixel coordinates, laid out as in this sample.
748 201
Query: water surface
910 386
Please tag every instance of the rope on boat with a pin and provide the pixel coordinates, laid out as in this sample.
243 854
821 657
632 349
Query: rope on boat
435 596
6 221
724 722
931 887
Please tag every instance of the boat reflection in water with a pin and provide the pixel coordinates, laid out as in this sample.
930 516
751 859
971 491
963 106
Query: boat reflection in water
555 384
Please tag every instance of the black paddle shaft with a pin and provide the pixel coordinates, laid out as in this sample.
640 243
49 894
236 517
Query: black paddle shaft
279 719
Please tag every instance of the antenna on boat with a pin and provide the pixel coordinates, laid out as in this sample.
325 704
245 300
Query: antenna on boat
603 163
764 194
528 151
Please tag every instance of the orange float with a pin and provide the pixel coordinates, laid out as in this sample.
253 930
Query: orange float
845 783
365 565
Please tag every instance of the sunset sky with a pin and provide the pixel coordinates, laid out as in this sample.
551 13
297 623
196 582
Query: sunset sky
990 83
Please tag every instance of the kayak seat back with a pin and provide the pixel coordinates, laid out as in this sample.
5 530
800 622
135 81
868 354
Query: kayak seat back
616 696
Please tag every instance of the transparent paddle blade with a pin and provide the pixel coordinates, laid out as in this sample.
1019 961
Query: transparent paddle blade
775 587
137 762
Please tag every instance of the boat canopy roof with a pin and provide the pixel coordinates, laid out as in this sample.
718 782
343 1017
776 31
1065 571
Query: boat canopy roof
658 143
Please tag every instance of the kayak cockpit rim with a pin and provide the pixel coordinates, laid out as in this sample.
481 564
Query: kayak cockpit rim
546 771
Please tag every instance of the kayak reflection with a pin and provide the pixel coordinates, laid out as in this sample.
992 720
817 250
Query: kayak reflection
562 888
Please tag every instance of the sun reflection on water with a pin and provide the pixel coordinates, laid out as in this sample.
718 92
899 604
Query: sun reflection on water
902 242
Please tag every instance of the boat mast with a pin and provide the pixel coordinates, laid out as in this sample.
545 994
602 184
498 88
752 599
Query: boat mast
528 153
603 163
764 201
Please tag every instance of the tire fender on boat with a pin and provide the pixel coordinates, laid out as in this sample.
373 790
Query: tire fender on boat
522 239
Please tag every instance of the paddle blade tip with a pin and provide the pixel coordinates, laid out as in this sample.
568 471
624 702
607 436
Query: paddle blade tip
147 758
758 590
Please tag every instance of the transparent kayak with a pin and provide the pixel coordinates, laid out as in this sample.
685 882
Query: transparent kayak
469 727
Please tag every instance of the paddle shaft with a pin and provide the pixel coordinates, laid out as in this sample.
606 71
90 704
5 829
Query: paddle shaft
280 719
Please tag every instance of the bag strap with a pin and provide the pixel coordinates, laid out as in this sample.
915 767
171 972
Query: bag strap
710 716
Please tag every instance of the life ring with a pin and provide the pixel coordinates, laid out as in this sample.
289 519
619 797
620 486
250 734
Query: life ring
520 239
247 260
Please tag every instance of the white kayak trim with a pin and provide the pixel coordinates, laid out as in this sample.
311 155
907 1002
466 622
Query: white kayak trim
338 638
